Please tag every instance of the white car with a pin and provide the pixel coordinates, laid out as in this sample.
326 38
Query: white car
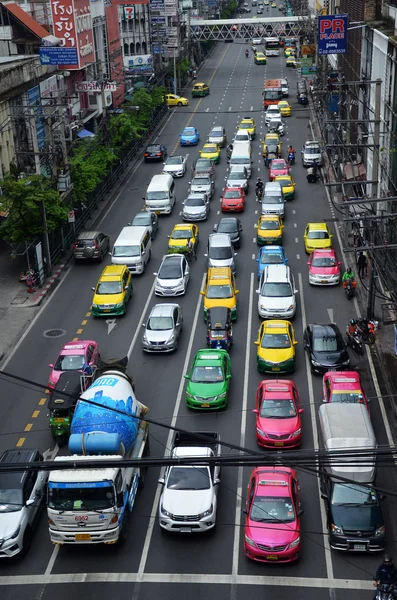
284 87
242 136
276 126
173 276
175 166
238 177
277 293
256 41
272 113
311 153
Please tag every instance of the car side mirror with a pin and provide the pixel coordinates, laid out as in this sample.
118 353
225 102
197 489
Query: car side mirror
93 289
256 343
143 198
129 224
235 254
255 226
217 481
324 497
206 255
51 365
155 274
257 260
143 324
228 376
143 252
339 262
202 293
295 342
186 376
256 411
237 292
215 228
301 512
110 254
161 480
189 182
29 502
295 291
308 263
382 497
168 236
301 411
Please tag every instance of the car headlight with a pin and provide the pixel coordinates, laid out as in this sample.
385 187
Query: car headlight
119 305
222 395
315 363
144 339
336 530
295 543
171 339
14 535
165 512
249 541
208 512
380 531
260 431
188 395
297 432
94 305
291 306
346 362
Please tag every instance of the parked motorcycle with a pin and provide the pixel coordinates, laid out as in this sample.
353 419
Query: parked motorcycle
367 330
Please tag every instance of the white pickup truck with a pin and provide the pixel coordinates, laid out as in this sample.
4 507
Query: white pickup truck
189 499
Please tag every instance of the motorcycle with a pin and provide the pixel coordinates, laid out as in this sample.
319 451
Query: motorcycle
354 341
384 591
246 54
258 194
291 158
349 285
367 330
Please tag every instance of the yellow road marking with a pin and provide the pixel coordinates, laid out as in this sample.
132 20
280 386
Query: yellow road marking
75 339
28 427
84 322
20 442
47 391
35 414
88 314
42 401
79 331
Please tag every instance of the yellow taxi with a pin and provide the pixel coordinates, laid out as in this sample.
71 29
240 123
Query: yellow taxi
174 100
273 5
180 236
288 51
249 125
269 230
272 139
112 291
220 290
317 235
291 61
200 89
276 347
260 58
287 186
266 2
284 108
211 151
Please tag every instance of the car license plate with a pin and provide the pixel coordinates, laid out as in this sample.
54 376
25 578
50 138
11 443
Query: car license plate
275 368
205 406
82 537
106 310
158 212
324 281
361 547
185 530
59 420
279 443
271 557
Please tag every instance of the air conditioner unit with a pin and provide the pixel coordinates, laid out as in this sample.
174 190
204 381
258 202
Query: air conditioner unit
82 113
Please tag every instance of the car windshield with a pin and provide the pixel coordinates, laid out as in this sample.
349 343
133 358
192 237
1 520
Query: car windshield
326 343
10 500
318 235
272 95
236 175
170 271
69 362
82 499
271 258
201 181
245 126
204 162
324 261
221 252
195 201
227 227
160 195
215 133
276 290
182 234
209 148
210 374
241 137
353 494
188 132
160 323
109 287
270 510
285 183
276 166
219 291
312 150
237 160
174 160
272 199
278 409
153 149
142 220
82 243
349 397
231 195
188 478
126 251
276 340
269 225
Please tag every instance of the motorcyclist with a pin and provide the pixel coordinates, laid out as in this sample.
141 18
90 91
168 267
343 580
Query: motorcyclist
291 153
351 329
229 150
246 53
348 274
191 249
386 573
366 327
259 187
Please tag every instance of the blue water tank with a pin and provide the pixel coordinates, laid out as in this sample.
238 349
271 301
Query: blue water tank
95 443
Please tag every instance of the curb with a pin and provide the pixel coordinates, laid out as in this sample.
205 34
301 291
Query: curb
49 284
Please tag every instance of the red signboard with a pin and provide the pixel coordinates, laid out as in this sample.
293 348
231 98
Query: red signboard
72 23
115 54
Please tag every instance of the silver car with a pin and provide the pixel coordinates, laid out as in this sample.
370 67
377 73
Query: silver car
311 152
146 219
202 184
196 207
284 88
175 166
173 276
163 328
238 177
218 136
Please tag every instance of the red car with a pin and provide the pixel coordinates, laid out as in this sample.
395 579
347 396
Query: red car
232 200
324 267
278 422
72 357
344 386
278 166
273 509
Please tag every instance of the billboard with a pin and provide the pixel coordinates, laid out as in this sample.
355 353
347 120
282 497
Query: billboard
115 55
57 55
332 34
34 101
139 65
72 23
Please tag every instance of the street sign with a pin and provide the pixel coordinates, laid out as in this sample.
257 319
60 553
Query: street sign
94 86
57 55
332 34
129 12
71 216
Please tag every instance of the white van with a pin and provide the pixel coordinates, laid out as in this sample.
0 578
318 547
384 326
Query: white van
133 248
160 194
242 156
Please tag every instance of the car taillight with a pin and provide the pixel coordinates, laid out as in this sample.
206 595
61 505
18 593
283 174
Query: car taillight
158 154
146 154
95 244
75 246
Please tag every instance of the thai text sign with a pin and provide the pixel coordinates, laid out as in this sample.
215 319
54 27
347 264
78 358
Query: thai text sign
94 86
332 34
72 23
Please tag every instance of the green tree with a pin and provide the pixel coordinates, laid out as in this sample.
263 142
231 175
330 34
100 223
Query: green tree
22 199
89 165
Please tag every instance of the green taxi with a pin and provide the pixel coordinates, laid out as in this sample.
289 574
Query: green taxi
209 380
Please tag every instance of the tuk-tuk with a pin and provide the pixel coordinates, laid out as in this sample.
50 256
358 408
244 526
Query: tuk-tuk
269 153
219 328
62 404
303 99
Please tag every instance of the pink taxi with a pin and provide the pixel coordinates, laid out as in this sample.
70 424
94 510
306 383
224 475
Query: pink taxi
278 166
72 357
273 509
324 267
344 386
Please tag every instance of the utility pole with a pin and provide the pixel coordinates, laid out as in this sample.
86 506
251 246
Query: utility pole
175 74
102 84
375 161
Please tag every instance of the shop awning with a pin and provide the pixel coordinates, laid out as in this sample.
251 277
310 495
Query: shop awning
84 133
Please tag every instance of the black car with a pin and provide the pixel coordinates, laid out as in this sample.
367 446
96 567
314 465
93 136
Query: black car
326 348
232 226
155 152
91 245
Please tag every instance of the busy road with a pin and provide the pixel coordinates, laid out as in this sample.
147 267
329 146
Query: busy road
153 563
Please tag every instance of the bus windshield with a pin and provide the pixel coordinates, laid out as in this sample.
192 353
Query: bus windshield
272 46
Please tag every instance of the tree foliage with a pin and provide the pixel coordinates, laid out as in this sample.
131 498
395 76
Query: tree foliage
22 199
89 165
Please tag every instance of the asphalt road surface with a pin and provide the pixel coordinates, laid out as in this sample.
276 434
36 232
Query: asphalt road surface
153 564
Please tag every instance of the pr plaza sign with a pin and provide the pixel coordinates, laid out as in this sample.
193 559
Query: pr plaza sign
332 34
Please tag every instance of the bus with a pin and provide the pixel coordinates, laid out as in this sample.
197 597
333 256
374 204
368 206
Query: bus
273 93
272 46
289 42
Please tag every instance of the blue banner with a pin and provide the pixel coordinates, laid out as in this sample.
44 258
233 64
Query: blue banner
58 56
34 100
79 485
332 34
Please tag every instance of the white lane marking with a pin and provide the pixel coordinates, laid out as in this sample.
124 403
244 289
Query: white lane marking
296 240
252 108
153 513
254 240
294 212
111 323
327 549
52 560
138 330
189 578
295 225
256 212
253 257
239 499
330 312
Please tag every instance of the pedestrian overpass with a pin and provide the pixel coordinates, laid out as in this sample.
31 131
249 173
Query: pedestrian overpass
227 30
